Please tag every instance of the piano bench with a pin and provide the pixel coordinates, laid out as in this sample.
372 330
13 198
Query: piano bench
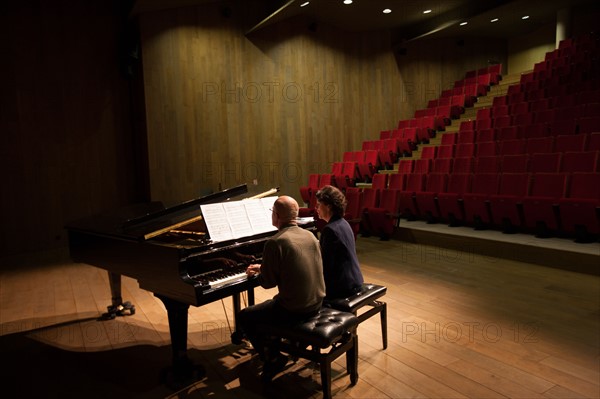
329 334
368 295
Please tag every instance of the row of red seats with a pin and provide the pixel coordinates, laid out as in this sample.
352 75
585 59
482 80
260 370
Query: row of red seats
527 122
588 94
540 202
577 161
471 91
428 124
457 100
545 121
491 148
564 56
390 149
564 128
495 70
571 45
552 90
541 111
485 79
476 82
571 70
562 143
452 102
412 134
445 112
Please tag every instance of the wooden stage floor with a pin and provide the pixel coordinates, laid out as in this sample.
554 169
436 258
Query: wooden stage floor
464 322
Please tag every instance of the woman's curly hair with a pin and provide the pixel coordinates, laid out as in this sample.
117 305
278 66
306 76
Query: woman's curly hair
330 195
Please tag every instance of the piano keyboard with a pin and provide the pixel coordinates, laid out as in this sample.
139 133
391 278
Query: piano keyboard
219 278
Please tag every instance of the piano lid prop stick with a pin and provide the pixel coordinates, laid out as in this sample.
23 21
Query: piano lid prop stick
171 227
266 193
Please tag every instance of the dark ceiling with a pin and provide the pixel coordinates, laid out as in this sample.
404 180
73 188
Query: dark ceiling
407 19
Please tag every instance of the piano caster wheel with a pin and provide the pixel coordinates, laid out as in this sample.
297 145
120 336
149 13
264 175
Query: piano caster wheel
124 309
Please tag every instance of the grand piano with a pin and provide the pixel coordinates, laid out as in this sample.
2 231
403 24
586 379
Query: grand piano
170 253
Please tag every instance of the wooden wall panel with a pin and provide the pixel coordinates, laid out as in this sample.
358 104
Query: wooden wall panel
271 108
225 109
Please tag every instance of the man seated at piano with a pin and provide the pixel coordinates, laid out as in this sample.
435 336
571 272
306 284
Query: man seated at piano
291 262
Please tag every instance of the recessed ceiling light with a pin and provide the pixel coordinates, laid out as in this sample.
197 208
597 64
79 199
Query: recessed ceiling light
494 20
525 17
426 11
387 11
347 1
463 23
305 4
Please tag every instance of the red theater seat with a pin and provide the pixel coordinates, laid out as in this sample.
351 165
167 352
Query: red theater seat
450 202
487 164
544 162
442 165
583 161
580 209
406 166
307 192
487 149
397 181
463 165
540 145
380 181
564 143
381 220
429 152
508 133
449 138
369 166
512 147
422 166
484 135
593 142
427 199
476 202
506 205
540 207
515 163
445 151
465 150
408 207
589 125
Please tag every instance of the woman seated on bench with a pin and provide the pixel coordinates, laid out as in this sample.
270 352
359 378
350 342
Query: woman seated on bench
341 269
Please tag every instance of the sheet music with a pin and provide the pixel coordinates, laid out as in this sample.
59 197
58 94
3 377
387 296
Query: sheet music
260 214
216 221
236 219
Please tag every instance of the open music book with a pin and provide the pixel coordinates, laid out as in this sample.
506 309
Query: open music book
236 219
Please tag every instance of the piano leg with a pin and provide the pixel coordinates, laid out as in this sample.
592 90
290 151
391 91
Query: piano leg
114 279
118 307
183 372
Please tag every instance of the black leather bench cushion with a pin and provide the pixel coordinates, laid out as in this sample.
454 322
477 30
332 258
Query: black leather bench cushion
321 330
368 293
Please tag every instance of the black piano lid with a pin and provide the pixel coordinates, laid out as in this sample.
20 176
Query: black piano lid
141 222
